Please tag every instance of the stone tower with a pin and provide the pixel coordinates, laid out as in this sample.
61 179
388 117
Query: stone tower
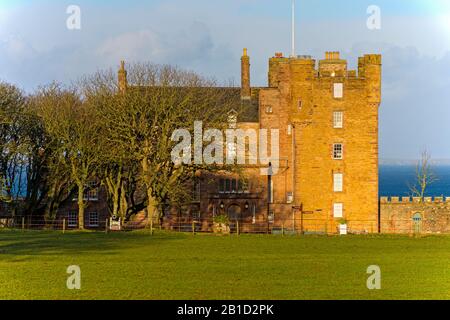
328 123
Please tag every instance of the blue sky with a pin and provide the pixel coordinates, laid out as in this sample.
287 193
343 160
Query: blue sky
207 36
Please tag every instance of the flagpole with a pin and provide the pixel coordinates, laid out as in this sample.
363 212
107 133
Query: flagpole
293 29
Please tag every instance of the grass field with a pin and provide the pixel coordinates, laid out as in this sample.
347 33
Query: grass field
180 266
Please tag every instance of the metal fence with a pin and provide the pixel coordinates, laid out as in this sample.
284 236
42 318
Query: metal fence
208 225
39 223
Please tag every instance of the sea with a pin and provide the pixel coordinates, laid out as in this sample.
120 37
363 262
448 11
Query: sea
396 179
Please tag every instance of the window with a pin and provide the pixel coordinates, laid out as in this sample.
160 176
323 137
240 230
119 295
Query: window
72 219
338 151
222 186
300 104
290 197
233 186
338 90
269 109
338 119
196 191
93 219
227 186
232 120
338 210
91 191
196 214
271 217
338 182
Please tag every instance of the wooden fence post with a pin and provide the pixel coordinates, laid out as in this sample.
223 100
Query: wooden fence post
64 225
193 227
23 223
237 226
106 225
282 229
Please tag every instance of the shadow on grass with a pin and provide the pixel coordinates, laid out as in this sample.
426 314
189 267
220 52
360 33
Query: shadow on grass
32 243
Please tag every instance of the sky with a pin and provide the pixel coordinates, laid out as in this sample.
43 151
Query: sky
207 36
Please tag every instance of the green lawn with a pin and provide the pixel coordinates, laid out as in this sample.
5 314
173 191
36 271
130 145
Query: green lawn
136 265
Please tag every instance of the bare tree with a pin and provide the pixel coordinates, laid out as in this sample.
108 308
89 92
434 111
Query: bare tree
138 124
74 133
13 142
424 176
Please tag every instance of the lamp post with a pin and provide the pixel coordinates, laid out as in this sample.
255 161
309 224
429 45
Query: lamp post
269 193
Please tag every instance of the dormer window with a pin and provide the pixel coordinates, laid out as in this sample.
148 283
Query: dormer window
232 119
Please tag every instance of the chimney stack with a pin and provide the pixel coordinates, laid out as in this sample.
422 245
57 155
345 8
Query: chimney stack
245 76
122 77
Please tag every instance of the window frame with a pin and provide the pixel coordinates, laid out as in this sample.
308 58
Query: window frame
336 154
340 207
91 224
338 187
338 119
72 219
338 90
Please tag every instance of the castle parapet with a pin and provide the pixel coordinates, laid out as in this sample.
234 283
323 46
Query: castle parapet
395 199
404 200
439 199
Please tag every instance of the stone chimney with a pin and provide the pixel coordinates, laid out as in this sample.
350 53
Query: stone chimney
122 77
245 76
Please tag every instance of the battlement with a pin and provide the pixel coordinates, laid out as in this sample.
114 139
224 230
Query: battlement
409 200
369 66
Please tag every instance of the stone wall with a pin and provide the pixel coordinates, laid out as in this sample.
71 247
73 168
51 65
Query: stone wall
411 215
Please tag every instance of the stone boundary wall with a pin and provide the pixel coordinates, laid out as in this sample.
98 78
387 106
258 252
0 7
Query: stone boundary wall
412 215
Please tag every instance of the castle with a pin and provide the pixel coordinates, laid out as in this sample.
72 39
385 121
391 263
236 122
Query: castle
328 135
327 118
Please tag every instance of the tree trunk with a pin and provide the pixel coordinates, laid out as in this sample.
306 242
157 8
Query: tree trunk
151 206
81 207
151 209
123 204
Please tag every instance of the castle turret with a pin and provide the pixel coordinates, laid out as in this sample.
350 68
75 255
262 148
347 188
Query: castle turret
245 76
371 65
122 77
